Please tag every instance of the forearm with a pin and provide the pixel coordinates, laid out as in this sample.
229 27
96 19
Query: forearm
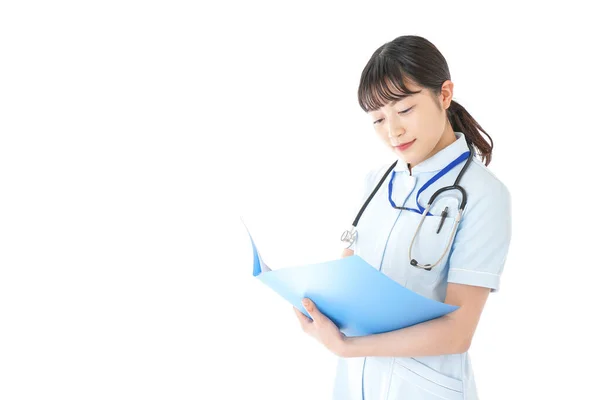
434 337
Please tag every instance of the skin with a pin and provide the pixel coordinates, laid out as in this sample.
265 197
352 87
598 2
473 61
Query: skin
420 117
452 333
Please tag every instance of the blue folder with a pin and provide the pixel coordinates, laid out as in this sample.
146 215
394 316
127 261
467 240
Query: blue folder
358 298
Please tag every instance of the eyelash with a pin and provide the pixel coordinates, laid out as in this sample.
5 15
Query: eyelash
399 112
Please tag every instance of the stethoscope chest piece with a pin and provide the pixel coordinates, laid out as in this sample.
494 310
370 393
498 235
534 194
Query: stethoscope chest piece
349 236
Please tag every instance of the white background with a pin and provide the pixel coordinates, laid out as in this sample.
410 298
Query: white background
134 135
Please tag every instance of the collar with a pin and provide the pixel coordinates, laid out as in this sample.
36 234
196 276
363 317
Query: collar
440 159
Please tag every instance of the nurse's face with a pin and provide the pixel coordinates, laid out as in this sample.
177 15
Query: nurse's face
416 127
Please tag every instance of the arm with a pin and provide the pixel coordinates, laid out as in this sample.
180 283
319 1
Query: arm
449 334
477 259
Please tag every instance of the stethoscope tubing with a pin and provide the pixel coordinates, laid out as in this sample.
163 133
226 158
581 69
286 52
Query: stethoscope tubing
349 236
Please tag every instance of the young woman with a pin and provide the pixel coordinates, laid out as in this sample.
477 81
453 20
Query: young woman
453 252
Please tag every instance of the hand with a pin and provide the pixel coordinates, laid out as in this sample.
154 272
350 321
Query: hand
321 328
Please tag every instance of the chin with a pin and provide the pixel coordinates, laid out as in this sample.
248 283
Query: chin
402 155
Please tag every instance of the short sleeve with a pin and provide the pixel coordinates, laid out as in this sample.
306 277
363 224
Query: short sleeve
480 247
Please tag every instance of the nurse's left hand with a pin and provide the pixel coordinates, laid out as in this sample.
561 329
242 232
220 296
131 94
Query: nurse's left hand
321 328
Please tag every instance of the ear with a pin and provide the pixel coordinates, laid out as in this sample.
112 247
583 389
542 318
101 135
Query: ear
446 94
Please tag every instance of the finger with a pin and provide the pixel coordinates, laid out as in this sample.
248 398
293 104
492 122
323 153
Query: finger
303 318
305 322
312 309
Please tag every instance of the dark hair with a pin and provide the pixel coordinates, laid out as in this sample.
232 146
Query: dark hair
416 59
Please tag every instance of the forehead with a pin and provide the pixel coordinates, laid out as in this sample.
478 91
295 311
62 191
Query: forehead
397 101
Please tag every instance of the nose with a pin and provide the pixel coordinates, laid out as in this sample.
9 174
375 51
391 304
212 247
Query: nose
394 132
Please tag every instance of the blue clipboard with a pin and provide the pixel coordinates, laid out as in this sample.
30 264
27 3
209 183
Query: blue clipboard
358 298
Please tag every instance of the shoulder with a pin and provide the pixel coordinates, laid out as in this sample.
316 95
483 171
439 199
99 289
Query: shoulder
484 189
376 173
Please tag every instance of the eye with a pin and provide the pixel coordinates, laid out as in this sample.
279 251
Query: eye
399 112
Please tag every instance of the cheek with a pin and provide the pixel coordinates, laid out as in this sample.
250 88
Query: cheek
421 124
433 120
426 128
381 134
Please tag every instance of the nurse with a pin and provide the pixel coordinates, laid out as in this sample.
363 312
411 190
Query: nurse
406 90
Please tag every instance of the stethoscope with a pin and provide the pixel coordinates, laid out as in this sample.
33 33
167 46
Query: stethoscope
349 236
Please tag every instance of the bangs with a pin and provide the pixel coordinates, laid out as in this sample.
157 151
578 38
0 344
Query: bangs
382 81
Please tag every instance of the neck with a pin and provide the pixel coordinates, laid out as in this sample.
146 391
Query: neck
448 137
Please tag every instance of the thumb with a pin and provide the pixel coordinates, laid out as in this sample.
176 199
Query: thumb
311 308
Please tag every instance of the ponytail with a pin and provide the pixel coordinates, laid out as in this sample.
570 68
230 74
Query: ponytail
462 121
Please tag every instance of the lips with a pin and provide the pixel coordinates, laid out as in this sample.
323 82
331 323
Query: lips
405 146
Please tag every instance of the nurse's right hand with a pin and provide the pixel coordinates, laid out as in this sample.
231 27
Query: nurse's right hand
321 328
347 253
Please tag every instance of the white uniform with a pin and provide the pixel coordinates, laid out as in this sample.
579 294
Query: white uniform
476 257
